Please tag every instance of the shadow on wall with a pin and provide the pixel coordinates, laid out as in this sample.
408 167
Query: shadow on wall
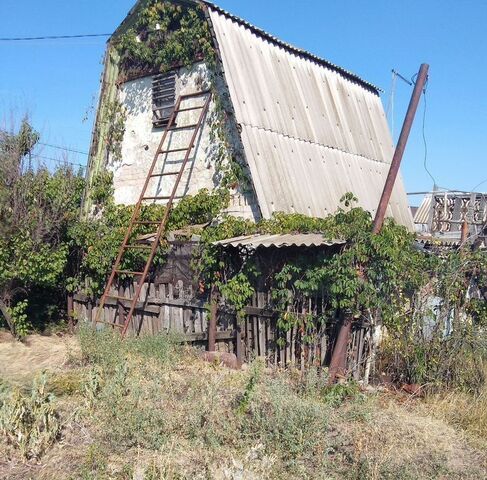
138 99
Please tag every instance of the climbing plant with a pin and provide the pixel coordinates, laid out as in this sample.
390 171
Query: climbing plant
365 272
97 240
115 117
165 35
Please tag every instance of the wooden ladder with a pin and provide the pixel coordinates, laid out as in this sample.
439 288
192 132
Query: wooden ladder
162 224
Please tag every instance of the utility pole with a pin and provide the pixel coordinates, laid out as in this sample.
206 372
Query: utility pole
338 363
400 147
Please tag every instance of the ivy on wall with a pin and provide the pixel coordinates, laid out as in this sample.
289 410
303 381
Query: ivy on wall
165 35
115 116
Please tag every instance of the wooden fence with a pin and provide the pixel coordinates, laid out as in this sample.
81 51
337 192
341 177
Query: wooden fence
165 307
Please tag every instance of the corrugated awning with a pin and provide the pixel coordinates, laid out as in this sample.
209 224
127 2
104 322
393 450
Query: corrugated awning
279 241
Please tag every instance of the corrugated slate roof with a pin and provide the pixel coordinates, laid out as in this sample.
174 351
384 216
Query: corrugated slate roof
310 133
423 213
292 48
280 240
299 51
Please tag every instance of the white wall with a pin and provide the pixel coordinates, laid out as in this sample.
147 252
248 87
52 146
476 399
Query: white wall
141 141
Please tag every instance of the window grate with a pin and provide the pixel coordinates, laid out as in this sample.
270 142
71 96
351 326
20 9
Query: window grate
163 98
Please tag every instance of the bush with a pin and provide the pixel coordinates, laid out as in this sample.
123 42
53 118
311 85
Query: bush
457 361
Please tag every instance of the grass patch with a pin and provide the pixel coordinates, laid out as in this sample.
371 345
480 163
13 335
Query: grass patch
465 410
149 408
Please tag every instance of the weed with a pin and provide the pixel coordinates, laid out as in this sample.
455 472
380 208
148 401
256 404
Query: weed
30 423
255 374
284 421
335 395
108 350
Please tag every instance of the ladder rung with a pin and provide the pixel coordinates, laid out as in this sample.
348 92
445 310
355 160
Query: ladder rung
128 272
145 222
197 94
174 150
156 198
109 323
182 127
187 109
116 297
164 174
138 247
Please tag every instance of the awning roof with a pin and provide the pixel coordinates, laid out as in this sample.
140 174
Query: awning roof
279 241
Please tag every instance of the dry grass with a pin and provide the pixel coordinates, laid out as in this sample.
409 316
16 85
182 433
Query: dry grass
149 410
469 412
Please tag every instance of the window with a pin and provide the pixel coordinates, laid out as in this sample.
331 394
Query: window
163 98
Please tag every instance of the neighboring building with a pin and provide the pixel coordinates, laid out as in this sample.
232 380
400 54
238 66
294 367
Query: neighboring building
441 215
307 131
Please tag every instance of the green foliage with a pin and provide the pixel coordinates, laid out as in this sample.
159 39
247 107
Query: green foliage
36 210
97 240
335 395
19 317
165 35
255 374
30 423
102 187
115 116
367 272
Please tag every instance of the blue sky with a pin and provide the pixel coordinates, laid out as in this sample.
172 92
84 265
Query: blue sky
57 82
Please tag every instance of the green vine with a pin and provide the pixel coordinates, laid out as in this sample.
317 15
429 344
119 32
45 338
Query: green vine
116 117
98 239
165 36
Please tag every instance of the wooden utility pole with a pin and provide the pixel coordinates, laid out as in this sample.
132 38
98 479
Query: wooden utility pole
400 147
338 363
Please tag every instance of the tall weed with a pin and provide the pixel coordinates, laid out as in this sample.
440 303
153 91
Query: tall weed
30 423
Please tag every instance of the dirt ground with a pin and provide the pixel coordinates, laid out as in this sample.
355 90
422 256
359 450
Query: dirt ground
19 360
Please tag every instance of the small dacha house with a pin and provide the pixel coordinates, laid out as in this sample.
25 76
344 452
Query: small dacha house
304 131
236 109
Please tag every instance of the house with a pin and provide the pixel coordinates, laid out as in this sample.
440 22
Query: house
303 130
442 215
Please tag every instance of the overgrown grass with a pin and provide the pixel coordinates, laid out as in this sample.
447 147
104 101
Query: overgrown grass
149 408
465 410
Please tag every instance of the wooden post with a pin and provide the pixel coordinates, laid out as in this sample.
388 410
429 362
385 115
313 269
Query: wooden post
464 234
70 313
338 362
213 319
121 308
89 311
238 343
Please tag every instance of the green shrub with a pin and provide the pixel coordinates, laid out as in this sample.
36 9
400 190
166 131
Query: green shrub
107 349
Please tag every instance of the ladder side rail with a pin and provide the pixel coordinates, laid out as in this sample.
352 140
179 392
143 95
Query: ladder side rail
163 223
135 213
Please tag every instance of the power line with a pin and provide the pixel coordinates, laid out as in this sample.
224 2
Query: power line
425 162
57 160
59 147
53 37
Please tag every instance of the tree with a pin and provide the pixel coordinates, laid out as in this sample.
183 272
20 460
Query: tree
36 209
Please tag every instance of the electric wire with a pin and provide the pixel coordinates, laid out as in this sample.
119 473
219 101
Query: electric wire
57 160
53 37
59 147
425 161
